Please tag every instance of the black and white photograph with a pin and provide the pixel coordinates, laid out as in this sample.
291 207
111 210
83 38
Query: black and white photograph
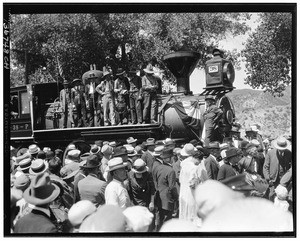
148 119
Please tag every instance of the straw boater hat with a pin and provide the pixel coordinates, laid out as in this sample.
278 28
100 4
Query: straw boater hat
149 69
169 142
41 190
116 163
38 166
22 157
73 155
79 211
150 142
33 149
281 143
22 182
131 140
188 150
158 151
130 150
113 144
107 149
24 164
95 149
139 166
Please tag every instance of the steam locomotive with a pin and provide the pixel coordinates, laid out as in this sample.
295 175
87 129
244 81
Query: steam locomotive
36 114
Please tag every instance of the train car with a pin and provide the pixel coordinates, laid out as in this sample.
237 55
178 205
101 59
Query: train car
36 113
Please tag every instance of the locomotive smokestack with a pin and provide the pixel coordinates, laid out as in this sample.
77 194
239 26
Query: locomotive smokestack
182 64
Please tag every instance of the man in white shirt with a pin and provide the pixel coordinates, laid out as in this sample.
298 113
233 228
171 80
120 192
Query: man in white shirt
115 192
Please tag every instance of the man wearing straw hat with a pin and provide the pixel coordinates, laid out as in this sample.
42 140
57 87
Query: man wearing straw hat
148 155
277 163
149 88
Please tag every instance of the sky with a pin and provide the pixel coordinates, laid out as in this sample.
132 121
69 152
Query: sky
197 78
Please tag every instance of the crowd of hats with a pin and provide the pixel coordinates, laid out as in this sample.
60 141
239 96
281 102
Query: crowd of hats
32 180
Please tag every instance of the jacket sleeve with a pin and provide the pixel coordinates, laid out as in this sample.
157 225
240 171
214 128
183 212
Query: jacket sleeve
266 167
172 185
286 178
208 169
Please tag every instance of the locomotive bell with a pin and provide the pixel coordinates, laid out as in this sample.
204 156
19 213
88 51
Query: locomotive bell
219 71
182 64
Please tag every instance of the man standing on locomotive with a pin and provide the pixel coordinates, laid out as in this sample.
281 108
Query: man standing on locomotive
79 102
122 97
65 101
106 89
149 87
212 116
135 97
92 101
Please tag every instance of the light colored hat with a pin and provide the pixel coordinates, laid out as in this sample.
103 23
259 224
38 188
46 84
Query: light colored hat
149 69
73 154
116 163
24 164
281 143
113 144
138 218
95 149
79 211
150 142
130 150
107 149
188 150
255 142
22 182
22 157
38 166
71 147
33 149
223 154
224 146
131 140
46 149
139 166
158 150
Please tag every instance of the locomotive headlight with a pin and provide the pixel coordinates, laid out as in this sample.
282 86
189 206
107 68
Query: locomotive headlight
228 72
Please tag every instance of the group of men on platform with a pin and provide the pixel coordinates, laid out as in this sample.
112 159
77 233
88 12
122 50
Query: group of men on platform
129 99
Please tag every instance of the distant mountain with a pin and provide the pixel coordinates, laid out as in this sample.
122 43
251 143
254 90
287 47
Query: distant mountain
273 114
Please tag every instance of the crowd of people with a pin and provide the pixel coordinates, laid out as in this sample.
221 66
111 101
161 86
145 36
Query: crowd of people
128 97
153 186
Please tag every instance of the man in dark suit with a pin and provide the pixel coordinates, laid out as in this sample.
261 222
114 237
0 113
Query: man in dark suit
165 183
211 162
277 163
148 155
40 193
91 187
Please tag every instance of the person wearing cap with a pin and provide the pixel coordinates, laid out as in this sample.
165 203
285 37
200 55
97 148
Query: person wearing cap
165 183
148 155
115 192
135 97
211 162
277 163
141 187
41 192
65 102
106 90
78 100
211 116
231 158
91 187
149 90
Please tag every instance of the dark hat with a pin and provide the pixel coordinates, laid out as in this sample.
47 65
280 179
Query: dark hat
167 152
231 152
38 166
194 142
99 143
120 151
41 155
120 71
213 145
95 149
144 146
49 155
58 151
92 162
205 151
54 165
238 183
243 144
210 97
41 190
24 164
150 142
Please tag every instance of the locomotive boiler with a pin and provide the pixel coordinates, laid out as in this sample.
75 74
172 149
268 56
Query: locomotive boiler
37 115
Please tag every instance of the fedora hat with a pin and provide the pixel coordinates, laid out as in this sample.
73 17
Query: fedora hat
149 69
105 74
116 163
113 144
281 143
232 152
38 166
158 150
107 149
95 149
169 142
33 149
70 170
188 150
91 162
130 150
120 71
139 166
73 155
250 145
22 157
150 142
131 140
41 155
79 211
22 182
41 190
224 146
166 153
24 164
65 82
49 155
76 81
120 151
243 144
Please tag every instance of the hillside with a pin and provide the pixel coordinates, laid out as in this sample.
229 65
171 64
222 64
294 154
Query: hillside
273 114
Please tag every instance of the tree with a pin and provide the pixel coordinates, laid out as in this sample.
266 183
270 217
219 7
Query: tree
268 53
